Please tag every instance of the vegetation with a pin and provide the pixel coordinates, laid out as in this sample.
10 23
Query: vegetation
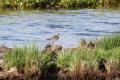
110 42
27 57
57 3
22 57
106 53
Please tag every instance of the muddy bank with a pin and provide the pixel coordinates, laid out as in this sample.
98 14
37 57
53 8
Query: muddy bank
34 74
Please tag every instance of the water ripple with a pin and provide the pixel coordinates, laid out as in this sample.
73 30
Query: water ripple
86 34
26 26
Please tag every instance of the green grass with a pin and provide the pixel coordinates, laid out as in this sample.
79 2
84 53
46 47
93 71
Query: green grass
19 57
64 58
107 48
110 42
88 58
60 3
74 59
26 57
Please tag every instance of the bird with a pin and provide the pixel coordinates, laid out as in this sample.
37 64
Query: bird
54 38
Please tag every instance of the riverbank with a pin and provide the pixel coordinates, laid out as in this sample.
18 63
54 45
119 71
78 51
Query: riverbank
99 59
58 3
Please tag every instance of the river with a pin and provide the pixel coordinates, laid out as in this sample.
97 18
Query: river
20 27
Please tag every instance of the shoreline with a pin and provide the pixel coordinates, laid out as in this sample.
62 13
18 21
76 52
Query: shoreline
91 60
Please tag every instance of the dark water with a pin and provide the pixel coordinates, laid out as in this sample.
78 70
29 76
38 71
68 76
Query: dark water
26 26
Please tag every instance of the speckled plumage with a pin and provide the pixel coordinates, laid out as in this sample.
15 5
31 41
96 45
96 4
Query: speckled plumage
54 38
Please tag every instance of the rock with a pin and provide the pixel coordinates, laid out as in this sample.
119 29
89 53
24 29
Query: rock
56 48
46 49
49 48
4 49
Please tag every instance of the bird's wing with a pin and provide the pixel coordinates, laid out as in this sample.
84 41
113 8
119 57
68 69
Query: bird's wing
48 39
52 37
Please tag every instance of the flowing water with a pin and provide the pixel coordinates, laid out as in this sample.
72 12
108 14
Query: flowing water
19 27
